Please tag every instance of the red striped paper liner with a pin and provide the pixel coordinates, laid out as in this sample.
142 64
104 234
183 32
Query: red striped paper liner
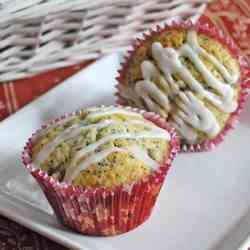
213 32
103 211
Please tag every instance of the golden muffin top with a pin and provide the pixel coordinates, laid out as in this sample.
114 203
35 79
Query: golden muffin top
101 147
186 77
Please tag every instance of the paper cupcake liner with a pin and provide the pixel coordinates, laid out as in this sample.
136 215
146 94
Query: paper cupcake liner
103 211
213 32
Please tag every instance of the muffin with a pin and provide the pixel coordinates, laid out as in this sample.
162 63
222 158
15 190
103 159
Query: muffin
189 74
102 168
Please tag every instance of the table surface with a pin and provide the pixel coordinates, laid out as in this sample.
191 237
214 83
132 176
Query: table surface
231 15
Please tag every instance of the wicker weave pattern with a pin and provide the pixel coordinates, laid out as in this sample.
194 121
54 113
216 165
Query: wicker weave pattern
39 35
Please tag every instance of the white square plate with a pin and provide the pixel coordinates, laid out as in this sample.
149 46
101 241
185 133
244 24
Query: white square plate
204 203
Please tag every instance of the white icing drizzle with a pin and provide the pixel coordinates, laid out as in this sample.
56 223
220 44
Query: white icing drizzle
193 42
67 134
136 151
141 154
192 112
61 123
189 111
91 153
110 111
153 134
187 132
75 129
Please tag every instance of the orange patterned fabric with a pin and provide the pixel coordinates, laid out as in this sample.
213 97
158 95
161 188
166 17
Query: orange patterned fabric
233 16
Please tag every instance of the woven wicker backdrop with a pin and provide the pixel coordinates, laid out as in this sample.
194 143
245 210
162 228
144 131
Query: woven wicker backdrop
40 35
